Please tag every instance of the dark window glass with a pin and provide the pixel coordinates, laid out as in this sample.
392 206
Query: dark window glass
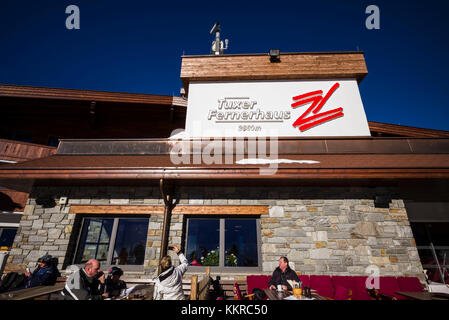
130 241
95 240
432 240
222 242
203 241
240 243
113 241
7 236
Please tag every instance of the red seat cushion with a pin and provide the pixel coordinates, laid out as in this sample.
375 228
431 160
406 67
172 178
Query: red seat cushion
411 284
305 279
341 293
359 289
257 281
389 286
322 285
344 282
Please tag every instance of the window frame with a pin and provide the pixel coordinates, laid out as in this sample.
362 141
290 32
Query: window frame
116 218
222 243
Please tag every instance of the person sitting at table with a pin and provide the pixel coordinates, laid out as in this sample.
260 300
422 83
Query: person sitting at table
45 274
113 284
281 274
86 283
168 285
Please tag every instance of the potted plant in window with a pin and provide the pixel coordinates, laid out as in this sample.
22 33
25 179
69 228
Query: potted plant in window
211 258
231 259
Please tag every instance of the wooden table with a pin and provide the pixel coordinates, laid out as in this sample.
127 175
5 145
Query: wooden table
31 293
275 295
424 295
140 292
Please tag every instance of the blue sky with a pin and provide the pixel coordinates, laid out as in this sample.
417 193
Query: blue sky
136 46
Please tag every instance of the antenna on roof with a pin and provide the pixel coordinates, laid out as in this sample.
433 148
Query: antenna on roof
217 45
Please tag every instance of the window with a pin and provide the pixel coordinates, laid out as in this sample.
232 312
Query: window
224 243
432 241
203 241
7 236
96 238
130 241
241 243
113 241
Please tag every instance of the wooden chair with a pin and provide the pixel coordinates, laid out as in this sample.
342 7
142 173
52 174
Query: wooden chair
200 290
228 288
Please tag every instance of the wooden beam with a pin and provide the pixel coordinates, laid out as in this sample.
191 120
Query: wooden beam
315 65
193 287
182 209
219 210
167 195
116 209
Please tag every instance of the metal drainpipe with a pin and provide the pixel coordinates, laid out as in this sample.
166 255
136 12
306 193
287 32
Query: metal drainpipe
167 217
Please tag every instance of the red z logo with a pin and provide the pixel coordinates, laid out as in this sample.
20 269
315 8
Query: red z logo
306 122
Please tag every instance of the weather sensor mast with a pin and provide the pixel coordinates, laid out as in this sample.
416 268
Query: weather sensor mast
217 45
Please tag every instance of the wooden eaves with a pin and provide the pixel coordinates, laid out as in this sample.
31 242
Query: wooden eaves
338 159
15 91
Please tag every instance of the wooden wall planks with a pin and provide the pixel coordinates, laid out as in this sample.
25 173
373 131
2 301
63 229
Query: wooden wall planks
258 67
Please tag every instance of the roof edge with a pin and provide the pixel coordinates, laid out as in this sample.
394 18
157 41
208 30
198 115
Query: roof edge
18 91
265 54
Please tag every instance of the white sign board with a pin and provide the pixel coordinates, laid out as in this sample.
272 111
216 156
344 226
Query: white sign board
275 108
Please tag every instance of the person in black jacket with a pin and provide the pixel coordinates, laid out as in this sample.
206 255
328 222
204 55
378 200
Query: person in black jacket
281 274
86 283
113 284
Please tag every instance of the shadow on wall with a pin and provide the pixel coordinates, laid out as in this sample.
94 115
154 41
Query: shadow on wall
7 204
70 252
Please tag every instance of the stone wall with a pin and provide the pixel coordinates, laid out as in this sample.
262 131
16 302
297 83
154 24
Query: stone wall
55 231
341 237
41 231
336 231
